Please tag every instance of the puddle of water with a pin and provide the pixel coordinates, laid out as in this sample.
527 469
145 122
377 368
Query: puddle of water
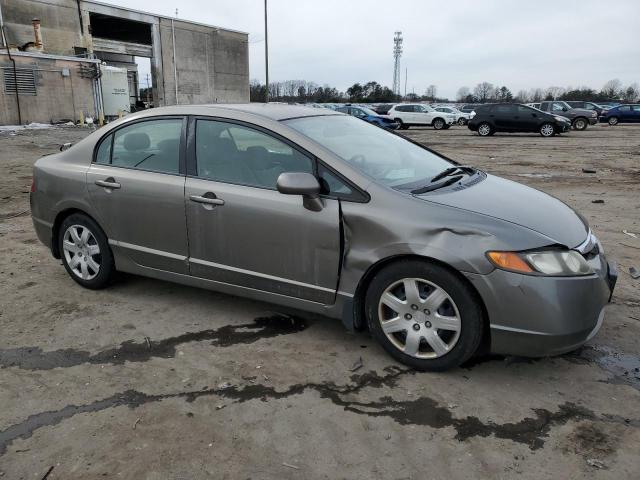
624 367
34 358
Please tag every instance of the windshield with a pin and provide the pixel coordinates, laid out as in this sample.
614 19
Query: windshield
388 158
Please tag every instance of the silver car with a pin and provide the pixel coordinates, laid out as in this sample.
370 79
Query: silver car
318 211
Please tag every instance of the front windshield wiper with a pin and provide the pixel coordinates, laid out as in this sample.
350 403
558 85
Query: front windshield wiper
449 171
436 186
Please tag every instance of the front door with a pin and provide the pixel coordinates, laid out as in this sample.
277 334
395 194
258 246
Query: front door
136 185
242 231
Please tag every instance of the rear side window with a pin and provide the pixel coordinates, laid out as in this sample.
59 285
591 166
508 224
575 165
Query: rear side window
636 108
624 108
232 153
404 108
152 145
504 109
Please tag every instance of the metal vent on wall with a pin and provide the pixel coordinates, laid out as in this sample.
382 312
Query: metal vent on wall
26 81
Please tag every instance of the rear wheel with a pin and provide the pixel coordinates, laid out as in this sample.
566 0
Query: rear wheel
547 130
613 121
484 129
85 252
401 125
462 122
580 123
424 315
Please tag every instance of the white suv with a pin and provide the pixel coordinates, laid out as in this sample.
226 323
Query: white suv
413 114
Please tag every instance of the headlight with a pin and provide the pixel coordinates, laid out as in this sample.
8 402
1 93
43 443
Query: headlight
559 119
558 263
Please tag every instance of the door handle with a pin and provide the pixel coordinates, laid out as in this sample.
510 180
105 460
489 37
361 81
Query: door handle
206 200
108 183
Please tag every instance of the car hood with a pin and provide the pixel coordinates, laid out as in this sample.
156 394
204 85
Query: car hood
580 111
386 117
516 203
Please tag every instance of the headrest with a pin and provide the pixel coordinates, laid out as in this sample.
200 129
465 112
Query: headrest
136 141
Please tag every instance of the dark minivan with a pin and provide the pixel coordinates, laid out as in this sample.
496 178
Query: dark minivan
514 117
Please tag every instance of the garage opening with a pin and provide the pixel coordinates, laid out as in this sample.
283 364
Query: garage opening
120 29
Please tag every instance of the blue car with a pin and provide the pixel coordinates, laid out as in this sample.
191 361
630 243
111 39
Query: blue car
370 116
622 114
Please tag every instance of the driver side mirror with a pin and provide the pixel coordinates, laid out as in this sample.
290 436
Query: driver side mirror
300 183
564 109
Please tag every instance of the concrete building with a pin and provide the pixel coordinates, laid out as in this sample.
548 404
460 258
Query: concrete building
52 51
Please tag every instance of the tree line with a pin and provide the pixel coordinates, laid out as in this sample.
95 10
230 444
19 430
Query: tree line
302 91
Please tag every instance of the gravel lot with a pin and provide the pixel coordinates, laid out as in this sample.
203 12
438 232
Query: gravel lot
150 380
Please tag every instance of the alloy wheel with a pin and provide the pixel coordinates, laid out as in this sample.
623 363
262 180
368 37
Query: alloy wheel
484 129
419 318
81 252
461 121
580 124
613 121
547 130
438 124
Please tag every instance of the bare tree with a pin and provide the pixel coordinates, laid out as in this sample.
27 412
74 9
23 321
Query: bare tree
483 91
431 92
463 93
536 95
552 93
523 96
612 88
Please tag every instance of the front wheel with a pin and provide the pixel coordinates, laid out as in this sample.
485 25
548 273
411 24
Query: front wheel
613 121
438 124
424 315
580 123
85 252
547 130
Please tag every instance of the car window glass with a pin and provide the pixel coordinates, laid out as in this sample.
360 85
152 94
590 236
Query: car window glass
403 108
504 109
625 108
103 155
557 107
636 108
356 112
232 153
150 145
523 109
331 184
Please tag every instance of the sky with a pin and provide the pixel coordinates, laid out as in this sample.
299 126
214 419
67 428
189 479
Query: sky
520 44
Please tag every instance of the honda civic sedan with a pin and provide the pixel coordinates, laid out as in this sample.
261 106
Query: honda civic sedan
321 212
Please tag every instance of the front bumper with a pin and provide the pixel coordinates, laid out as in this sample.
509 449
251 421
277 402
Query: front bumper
593 120
563 127
537 316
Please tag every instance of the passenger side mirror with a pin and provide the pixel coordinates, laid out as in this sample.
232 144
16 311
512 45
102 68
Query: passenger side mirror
300 183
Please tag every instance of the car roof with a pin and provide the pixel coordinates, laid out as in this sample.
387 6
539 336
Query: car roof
274 111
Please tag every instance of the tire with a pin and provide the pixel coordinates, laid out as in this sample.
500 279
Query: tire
78 237
455 307
547 129
401 125
580 123
613 121
462 122
438 123
484 129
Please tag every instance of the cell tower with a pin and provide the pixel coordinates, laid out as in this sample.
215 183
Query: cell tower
397 53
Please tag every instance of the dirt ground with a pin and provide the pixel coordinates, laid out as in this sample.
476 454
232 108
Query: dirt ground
151 380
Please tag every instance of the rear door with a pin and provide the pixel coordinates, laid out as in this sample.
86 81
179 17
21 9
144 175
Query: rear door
136 184
635 110
242 231
504 117
626 113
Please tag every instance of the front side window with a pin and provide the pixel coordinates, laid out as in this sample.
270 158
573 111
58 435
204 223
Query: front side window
384 156
636 108
625 108
152 145
504 109
557 107
233 153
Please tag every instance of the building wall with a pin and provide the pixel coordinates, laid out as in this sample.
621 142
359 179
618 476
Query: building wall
60 25
57 97
212 63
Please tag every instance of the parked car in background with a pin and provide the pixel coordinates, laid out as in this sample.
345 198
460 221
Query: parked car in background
468 108
415 114
514 117
368 115
318 211
383 108
461 118
629 113
580 118
599 109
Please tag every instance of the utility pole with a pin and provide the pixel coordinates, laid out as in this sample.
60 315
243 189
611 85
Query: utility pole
266 55
148 88
397 53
